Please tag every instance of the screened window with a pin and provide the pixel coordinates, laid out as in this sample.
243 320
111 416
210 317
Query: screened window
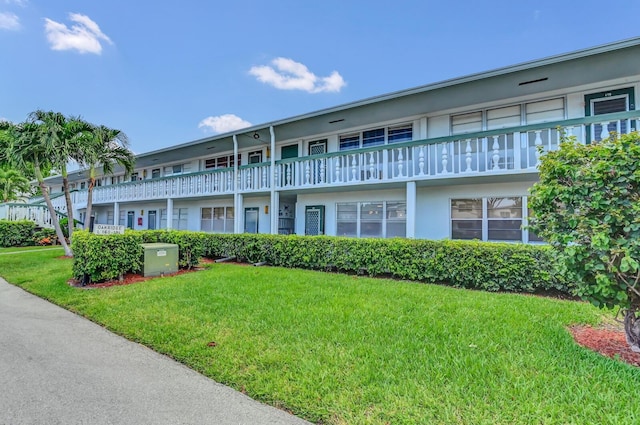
377 137
155 173
350 141
402 133
371 219
466 218
225 161
217 219
178 218
382 219
491 218
504 219
373 137
509 116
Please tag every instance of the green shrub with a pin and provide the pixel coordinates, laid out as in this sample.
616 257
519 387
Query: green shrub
467 264
103 257
45 236
16 233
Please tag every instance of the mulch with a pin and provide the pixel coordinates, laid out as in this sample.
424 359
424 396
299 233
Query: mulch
607 341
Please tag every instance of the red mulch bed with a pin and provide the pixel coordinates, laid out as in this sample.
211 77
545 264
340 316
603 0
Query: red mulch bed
606 341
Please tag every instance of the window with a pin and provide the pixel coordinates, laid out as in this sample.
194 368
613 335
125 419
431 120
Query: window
179 218
217 219
491 218
121 218
176 169
115 180
504 219
376 137
155 173
508 116
466 218
134 177
255 157
225 161
382 219
83 185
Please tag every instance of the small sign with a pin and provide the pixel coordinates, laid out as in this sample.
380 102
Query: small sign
108 229
162 253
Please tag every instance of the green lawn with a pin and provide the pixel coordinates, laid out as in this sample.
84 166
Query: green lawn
28 248
342 349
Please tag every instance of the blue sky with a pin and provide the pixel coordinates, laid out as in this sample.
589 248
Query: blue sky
168 72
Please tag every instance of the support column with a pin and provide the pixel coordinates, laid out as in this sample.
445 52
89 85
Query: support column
275 196
411 209
237 198
169 213
116 213
239 213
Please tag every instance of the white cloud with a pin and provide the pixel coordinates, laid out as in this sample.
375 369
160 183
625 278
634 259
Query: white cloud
9 21
224 123
287 74
84 36
21 3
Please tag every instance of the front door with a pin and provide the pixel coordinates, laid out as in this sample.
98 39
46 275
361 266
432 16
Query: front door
319 165
130 216
314 220
607 103
251 220
152 220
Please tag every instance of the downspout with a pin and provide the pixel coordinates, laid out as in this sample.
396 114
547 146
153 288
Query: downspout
275 207
236 207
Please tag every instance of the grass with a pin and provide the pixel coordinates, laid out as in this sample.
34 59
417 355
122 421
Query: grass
27 248
342 349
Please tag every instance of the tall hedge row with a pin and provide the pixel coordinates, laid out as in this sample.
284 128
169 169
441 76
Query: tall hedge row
468 264
16 233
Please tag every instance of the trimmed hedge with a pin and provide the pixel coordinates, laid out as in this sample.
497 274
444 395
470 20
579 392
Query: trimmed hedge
97 258
16 233
468 264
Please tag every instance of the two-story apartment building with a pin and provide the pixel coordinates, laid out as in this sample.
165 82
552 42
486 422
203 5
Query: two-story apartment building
454 159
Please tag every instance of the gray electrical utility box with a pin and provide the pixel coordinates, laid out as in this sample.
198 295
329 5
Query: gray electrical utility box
160 258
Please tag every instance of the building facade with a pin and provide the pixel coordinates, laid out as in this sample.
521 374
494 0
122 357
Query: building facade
453 159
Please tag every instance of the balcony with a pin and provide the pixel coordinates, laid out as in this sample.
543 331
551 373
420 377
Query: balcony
496 152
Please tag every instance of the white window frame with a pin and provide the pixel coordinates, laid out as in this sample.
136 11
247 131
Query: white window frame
485 219
228 219
384 219
484 113
360 136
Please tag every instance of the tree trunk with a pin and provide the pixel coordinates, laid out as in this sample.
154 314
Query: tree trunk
632 328
54 217
67 198
87 220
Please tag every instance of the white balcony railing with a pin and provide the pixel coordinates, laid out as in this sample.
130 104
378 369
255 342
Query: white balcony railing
503 151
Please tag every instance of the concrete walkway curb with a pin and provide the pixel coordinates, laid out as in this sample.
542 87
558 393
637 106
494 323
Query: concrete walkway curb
58 368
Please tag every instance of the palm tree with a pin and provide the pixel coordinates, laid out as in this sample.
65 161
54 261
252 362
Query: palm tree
108 147
65 136
12 184
30 145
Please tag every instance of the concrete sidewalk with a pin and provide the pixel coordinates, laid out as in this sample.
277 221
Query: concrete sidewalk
58 368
